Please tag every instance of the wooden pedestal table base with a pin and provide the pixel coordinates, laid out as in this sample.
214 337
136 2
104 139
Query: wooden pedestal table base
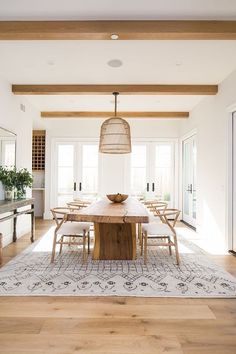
114 241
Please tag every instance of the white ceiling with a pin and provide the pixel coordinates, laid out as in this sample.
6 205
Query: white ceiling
85 62
144 62
106 103
111 9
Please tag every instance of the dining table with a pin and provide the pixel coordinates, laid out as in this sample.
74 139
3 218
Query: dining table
115 227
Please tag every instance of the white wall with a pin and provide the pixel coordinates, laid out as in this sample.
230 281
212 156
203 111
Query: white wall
13 119
91 127
112 168
211 118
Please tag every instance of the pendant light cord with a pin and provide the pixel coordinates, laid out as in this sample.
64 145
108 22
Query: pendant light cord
115 94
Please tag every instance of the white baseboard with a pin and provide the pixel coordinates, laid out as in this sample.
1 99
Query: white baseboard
47 215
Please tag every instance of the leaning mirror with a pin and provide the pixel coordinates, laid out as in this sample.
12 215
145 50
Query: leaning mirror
7 148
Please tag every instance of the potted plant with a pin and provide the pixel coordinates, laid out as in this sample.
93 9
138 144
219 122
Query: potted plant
8 179
24 179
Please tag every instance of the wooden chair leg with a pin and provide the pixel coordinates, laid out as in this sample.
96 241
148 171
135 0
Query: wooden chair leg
84 244
145 247
170 250
176 250
69 244
54 247
142 243
88 242
140 233
62 240
0 248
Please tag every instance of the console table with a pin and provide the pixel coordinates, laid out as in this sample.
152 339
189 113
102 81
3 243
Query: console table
12 207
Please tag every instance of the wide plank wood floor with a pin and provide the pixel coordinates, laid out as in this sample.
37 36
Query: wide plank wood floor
108 325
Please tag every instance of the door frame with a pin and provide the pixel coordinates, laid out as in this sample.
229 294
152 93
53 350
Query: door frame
181 166
54 181
51 165
175 142
229 180
53 170
189 168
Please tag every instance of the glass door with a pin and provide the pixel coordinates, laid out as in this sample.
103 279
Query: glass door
76 172
234 182
152 171
65 173
189 180
139 171
88 184
163 172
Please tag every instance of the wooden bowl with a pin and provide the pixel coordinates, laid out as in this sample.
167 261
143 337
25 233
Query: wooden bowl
117 198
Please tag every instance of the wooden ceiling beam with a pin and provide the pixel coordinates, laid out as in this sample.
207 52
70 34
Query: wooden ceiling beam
109 89
92 114
126 30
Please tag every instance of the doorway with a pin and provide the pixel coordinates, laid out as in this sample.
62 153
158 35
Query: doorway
189 156
76 171
234 182
152 171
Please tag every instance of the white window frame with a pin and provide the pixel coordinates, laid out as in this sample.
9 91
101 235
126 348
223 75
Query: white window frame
3 142
175 142
52 142
54 158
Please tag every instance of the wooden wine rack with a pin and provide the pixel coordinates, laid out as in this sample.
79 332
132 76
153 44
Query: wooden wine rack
38 150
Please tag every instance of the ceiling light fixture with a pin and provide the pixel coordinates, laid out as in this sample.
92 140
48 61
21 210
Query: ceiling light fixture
115 134
115 63
178 63
114 36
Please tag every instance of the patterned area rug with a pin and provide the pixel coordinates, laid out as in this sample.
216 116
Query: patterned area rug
31 273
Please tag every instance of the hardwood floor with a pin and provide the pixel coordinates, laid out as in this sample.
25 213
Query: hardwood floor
107 325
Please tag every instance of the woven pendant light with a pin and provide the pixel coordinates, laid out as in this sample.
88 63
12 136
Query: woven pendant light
115 134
